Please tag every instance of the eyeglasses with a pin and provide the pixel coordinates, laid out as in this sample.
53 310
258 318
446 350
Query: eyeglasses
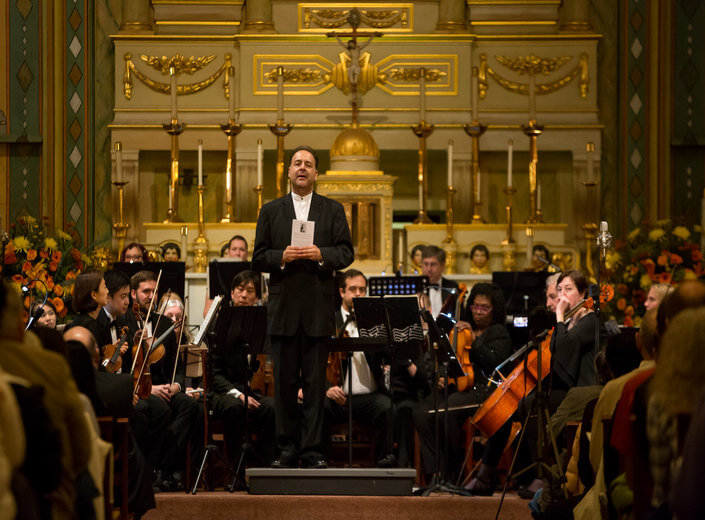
481 308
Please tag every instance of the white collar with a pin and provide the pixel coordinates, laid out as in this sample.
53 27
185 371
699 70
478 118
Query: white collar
299 198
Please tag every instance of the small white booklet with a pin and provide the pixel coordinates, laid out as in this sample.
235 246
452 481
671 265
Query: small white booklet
302 233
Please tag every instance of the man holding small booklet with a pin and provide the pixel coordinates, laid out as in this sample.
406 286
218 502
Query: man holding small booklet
302 238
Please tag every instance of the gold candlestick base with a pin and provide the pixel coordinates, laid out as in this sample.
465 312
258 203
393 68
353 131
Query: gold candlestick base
533 131
509 257
509 239
200 245
281 130
174 129
449 244
231 129
475 131
120 226
258 190
422 131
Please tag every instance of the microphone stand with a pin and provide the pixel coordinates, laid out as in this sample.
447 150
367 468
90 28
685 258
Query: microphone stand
39 311
604 240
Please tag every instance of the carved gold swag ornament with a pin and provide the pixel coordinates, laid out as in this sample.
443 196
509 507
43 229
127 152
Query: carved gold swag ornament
535 65
182 65
335 18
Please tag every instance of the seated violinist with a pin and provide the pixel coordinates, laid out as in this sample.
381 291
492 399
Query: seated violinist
572 364
483 342
370 401
167 381
230 379
89 296
112 319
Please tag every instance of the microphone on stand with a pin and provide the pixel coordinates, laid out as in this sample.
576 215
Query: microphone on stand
604 238
39 311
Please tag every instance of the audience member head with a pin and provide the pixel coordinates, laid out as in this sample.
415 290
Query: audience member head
83 369
246 288
540 251
11 322
480 257
85 338
552 291
237 248
486 305
118 285
51 339
352 284
647 337
680 373
417 256
89 292
690 293
171 252
433 263
622 352
134 252
656 293
142 287
172 308
48 317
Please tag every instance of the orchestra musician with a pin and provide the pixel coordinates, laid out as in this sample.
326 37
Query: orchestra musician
370 399
112 317
572 364
237 248
231 377
301 311
90 295
441 291
489 344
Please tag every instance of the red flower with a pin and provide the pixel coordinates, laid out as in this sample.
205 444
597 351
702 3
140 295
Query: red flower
18 279
623 289
75 254
43 253
26 267
31 254
628 321
676 259
639 296
664 278
53 266
56 256
696 255
621 304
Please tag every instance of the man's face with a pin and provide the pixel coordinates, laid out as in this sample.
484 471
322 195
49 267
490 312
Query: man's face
431 267
551 297
244 295
355 287
144 294
237 249
119 301
302 172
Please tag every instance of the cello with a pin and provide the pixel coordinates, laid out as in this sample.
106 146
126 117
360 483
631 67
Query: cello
462 342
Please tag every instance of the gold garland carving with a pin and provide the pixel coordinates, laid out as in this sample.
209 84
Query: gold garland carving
165 88
336 18
540 65
414 74
181 64
300 75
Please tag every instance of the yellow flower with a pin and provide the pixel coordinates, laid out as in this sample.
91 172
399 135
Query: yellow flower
656 234
21 243
62 235
663 222
50 244
689 275
681 232
645 281
697 229
637 321
612 259
633 234
30 220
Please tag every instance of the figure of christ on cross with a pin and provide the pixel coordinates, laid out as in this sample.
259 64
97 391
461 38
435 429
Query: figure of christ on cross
353 49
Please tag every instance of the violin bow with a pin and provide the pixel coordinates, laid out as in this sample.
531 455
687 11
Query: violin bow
178 343
145 358
144 327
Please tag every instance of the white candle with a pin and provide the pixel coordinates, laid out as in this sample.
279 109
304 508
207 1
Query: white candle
200 162
422 95
171 195
510 158
184 242
529 247
118 161
280 93
174 88
538 196
590 147
474 95
532 98
450 163
259 163
401 248
420 188
231 97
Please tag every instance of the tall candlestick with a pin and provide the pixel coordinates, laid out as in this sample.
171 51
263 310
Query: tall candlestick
280 93
538 196
422 95
259 163
420 187
590 148
184 243
174 87
200 162
510 158
477 191
532 97
450 163
231 93
474 95
118 161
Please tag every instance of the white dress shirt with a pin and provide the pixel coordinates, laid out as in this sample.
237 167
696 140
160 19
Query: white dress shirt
301 205
435 295
363 382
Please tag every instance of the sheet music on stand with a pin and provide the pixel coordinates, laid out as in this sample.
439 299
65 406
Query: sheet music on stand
207 320
396 316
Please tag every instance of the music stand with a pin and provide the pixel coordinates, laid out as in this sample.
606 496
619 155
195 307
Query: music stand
396 285
173 274
220 275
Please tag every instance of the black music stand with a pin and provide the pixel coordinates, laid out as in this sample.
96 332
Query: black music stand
396 285
220 275
173 274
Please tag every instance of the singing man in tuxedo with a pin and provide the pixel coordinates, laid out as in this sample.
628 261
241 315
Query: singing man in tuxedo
440 290
301 308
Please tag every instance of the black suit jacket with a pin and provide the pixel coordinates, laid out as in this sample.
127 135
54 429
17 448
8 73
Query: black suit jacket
105 337
303 292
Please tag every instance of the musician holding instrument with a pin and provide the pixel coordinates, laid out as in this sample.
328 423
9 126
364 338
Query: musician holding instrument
442 292
112 319
230 379
483 342
572 355
90 295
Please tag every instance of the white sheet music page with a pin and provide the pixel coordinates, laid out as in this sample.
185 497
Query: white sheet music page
302 233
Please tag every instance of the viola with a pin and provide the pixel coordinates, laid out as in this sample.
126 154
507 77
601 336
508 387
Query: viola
462 343
263 379
112 359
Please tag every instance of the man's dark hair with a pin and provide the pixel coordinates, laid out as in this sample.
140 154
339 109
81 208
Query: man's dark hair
237 237
143 251
347 275
115 280
141 276
434 251
82 300
581 283
307 149
245 277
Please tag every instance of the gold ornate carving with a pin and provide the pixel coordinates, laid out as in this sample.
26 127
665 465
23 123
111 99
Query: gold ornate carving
335 17
181 64
414 74
300 75
535 65
368 74
165 88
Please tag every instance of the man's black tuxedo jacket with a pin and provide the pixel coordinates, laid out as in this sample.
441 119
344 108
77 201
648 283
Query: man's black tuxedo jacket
303 292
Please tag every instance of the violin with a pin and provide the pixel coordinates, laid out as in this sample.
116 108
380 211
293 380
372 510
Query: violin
263 379
112 359
142 378
462 343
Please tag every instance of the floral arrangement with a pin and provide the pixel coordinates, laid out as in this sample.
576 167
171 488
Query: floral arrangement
658 253
31 253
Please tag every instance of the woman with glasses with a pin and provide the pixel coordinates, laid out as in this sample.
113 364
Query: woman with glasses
490 344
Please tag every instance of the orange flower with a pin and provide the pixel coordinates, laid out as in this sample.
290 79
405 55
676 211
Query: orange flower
56 256
71 275
621 304
58 290
53 266
629 311
628 321
26 267
63 313
696 255
58 303
75 254
10 258
663 259
664 278
649 266
43 254
49 283
26 302
639 296
18 279
31 254
676 259
633 270
623 289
